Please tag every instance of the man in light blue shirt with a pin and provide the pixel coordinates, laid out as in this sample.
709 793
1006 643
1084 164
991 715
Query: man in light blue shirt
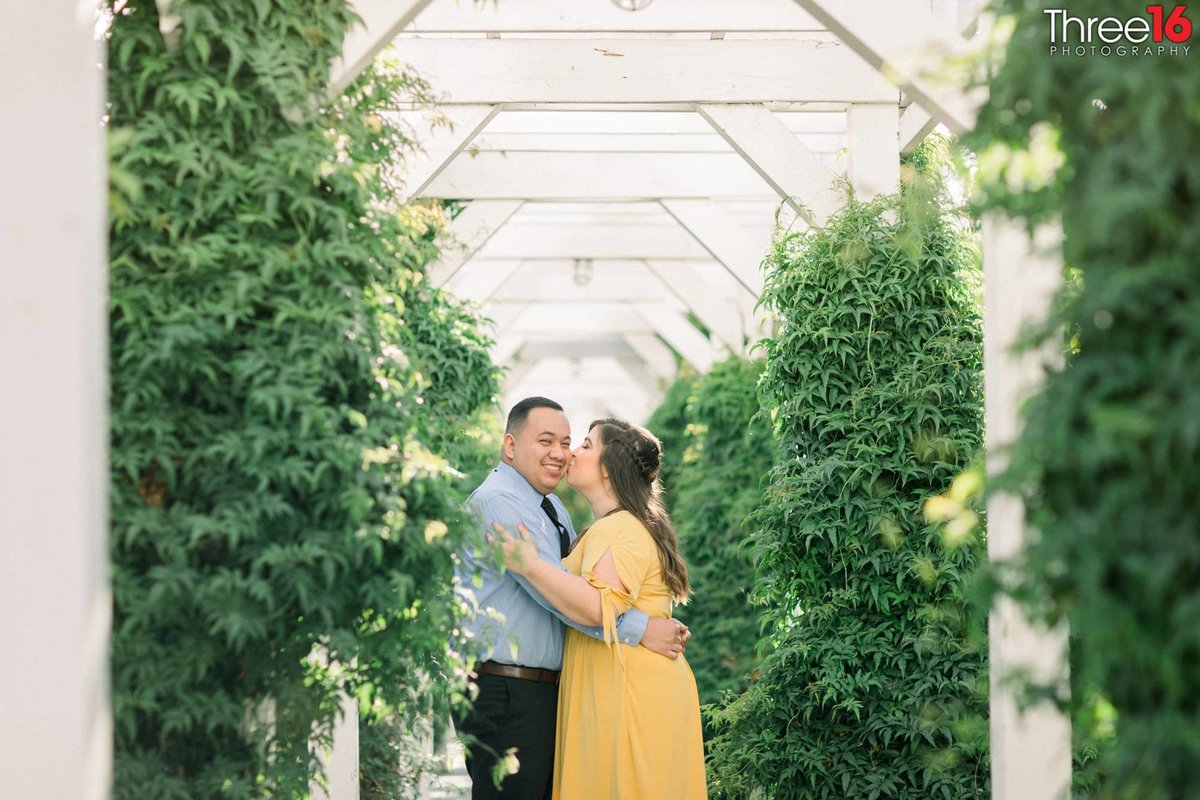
520 632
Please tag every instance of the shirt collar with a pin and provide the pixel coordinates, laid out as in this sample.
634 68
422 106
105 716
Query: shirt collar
518 483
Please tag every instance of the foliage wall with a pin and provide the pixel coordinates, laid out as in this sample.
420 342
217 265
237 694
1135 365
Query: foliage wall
1109 461
716 451
873 382
284 386
669 422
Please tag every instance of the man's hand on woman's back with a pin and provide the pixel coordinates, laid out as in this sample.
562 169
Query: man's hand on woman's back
667 637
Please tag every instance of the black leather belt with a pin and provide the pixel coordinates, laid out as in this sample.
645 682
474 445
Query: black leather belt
524 673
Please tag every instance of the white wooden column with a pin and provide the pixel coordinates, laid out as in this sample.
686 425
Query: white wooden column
55 726
873 139
340 762
1031 749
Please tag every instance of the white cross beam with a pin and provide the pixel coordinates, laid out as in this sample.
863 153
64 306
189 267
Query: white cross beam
381 21
587 70
722 238
443 143
474 225
908 45
796 174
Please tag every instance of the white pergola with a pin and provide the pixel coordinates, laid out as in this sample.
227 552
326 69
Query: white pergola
620 175
622 172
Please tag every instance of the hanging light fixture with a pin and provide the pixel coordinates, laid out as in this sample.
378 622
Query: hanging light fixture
582 274
631 5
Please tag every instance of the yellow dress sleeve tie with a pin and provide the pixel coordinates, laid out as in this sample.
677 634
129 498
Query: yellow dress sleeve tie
613 603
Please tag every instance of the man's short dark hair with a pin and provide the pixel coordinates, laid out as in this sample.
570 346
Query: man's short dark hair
520 412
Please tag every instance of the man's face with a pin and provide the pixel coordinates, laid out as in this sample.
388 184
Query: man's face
541 449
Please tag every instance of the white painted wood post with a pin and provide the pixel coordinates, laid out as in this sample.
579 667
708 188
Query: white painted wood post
55 725
873 139
341 762
1031 749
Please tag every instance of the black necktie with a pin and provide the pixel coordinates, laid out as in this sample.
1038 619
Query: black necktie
564 539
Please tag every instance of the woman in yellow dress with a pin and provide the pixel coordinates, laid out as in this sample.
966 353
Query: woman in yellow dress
628 719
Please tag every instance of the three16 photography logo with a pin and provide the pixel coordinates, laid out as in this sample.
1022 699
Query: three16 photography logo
1163 31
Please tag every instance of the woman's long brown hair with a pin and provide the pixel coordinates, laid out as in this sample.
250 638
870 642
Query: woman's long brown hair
632 456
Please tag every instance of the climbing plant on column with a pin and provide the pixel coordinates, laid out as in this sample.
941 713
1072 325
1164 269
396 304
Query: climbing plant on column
669 422
282 379
873 383
1108 461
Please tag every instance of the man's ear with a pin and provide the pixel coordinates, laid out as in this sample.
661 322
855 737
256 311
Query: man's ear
508 447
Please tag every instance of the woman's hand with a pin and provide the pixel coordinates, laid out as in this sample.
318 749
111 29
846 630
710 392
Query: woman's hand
520 554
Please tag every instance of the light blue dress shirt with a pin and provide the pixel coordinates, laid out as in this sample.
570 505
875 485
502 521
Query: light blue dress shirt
530 633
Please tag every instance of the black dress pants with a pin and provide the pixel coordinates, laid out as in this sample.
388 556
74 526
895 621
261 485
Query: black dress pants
508 713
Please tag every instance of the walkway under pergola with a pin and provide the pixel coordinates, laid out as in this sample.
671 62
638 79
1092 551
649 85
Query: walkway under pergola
619 177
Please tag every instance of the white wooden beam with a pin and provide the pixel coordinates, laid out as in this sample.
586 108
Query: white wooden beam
793 171
527 240
643 377
681 119
598 176
506 346
679 333
536 321
472 228
644 70
546 16
721 315
664 106
907 44
479 280
381 21
915 124
1030 747
873 140
556 284
55 714
614 349
444 143
723 239
611 347
656 355
518 369
592 142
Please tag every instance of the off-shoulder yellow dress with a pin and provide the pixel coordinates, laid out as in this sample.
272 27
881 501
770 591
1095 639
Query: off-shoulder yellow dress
628 718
